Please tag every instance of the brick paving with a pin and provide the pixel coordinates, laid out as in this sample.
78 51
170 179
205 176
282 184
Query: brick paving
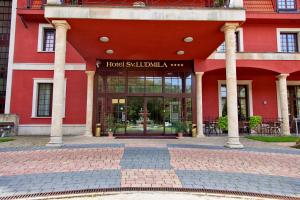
256 169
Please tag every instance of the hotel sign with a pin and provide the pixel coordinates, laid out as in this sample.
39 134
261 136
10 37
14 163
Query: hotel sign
138 64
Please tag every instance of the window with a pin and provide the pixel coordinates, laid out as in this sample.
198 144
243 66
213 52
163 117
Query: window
44 105
46 38
242 92
116 84
286 4
289 42
42 97
136 84
49 39
173 84
238 39
188 84
153 84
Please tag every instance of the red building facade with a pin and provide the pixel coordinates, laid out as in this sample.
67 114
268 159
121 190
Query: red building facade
147 65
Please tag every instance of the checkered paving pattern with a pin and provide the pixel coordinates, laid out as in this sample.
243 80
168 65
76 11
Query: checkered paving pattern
150 178
92 166
236 161
146 158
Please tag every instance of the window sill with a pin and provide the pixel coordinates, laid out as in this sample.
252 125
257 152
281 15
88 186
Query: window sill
35 117
46 51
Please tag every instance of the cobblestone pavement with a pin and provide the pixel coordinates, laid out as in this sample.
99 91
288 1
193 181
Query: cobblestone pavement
258 169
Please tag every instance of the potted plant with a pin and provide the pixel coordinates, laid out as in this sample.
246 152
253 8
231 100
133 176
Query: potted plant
180 128
111 126
223 123
254 122
297 146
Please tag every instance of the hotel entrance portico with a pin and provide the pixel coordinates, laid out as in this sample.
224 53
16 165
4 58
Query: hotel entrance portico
145 34
145 98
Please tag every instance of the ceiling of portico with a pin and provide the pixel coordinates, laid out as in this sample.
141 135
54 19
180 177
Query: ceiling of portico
144 40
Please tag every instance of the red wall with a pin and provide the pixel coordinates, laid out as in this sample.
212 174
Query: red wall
262 37
26 43
22 94
263 89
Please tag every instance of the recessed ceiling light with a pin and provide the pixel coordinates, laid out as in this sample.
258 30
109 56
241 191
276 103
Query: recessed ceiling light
104 39
180 52
188 39
109 51
140 4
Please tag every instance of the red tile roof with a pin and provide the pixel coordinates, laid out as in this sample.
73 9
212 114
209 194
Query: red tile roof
259 5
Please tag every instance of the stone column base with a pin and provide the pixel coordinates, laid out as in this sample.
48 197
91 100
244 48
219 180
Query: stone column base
234 143
55 141
88 133
200 136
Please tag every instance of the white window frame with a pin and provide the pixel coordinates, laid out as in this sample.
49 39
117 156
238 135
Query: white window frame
41 35
287 30
36 82
240 42
239 82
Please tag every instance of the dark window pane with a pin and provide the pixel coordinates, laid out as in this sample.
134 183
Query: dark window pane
49 40
136 84
44 99
286 4
289 42
173 85
153 84
188 84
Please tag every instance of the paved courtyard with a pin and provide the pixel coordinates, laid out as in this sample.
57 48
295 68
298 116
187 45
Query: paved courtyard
257 168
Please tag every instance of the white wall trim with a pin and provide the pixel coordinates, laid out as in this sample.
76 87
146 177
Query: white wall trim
290 30
258 56
278 97
47 66
36 81
41 37
115 13
45 129
11 56
239 82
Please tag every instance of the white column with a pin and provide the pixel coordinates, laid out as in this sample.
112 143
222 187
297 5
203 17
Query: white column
89 103
61 27
236 4
284 103
53 2
199 76
231 84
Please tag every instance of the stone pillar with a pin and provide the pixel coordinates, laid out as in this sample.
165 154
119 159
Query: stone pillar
89 103
53 2
236 4
61 27
284 103
231 84
199 76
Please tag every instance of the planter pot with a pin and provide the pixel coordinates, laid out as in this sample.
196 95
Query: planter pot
180 135
110 135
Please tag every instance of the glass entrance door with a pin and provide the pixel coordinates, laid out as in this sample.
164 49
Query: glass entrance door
145 115
155 115
135 115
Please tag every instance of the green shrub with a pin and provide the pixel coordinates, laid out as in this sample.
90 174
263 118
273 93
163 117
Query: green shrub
180 127
254 121
298 144
223 123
